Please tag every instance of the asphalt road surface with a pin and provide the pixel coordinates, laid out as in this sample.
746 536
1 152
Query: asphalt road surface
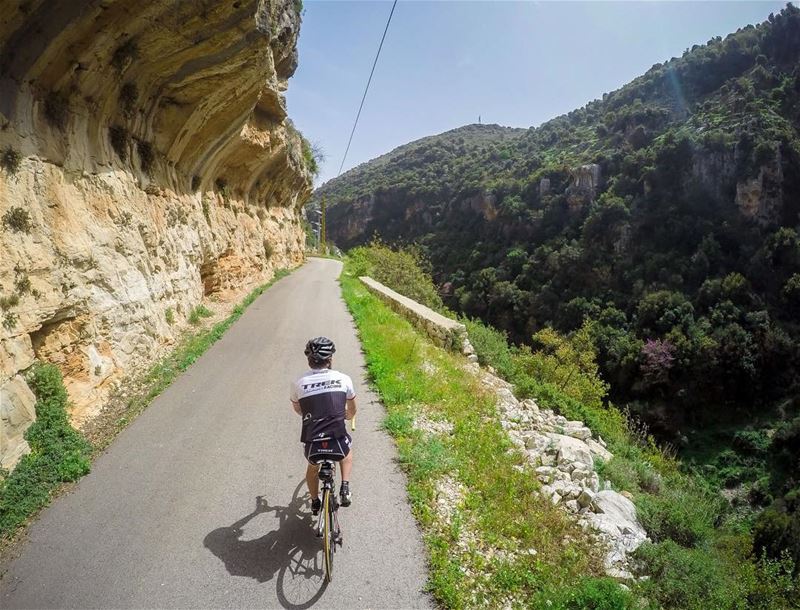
201 501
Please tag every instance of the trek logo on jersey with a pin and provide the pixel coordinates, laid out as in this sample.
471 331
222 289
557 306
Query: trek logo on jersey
328 384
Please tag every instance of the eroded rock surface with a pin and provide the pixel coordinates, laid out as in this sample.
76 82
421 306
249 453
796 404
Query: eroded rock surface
147 163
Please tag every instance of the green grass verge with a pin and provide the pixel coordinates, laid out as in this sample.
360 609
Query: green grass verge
59 453
502 545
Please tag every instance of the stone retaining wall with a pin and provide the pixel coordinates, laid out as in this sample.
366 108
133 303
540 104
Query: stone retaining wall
443 331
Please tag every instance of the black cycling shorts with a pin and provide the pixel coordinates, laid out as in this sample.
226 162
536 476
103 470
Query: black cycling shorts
334 449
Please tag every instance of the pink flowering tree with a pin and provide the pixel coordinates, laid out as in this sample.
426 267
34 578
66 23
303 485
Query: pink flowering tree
658 356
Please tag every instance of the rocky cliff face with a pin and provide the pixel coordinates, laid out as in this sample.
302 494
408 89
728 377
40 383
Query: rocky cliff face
147 162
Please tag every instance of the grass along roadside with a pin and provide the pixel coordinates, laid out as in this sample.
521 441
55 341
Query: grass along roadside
492 542
60 454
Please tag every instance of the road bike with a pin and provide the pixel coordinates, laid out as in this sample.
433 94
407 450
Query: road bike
328 524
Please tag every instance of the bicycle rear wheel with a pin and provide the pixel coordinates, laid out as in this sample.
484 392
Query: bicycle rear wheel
327 534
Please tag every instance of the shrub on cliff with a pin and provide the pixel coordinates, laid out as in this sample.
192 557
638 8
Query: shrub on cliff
17 220
10 160
312 155
58 453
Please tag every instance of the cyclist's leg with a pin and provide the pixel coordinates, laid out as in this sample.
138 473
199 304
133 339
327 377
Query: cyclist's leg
346 449
346 464
312 480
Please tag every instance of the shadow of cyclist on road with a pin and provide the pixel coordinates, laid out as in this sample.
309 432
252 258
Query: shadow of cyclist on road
291 552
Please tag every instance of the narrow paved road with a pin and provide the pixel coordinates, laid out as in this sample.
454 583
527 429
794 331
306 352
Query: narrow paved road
201 502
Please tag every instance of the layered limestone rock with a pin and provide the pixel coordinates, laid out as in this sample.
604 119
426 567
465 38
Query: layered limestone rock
146 162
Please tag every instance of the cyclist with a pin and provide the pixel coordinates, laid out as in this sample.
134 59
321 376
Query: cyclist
324 398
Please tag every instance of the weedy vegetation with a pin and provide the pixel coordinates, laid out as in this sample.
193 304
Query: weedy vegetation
10 160
58 453
22 282
18 220
198 313
9 301
10 320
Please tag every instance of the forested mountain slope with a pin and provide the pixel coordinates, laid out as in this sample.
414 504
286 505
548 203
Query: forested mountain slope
666 212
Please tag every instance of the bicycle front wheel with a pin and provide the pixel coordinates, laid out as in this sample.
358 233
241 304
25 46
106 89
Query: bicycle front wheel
327 534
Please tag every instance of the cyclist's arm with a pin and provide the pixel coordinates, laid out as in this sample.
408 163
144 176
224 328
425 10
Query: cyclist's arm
350 408
294 399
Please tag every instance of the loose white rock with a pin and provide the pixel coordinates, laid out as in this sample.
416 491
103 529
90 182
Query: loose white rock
571 450
586 498
599 450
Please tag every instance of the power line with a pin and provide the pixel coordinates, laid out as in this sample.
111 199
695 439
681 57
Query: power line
375 63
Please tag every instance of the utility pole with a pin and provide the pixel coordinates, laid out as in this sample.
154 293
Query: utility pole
323 246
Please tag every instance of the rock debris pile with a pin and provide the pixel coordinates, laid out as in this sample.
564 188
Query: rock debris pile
563 454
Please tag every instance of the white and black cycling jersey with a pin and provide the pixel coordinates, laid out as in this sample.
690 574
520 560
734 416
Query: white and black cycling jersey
322 395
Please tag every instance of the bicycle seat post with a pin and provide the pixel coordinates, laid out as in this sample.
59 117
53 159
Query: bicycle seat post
327 470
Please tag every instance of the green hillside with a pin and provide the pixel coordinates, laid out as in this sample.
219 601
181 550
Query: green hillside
667 214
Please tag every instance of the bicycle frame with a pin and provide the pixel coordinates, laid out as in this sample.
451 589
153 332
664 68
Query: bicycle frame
328 523
327 476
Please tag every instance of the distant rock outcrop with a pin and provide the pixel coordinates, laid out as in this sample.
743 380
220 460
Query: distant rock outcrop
147 161
584 187
761 198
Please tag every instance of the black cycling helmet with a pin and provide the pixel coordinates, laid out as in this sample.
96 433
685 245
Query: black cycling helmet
320 350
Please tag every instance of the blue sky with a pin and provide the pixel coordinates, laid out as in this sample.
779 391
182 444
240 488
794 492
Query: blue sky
512 63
